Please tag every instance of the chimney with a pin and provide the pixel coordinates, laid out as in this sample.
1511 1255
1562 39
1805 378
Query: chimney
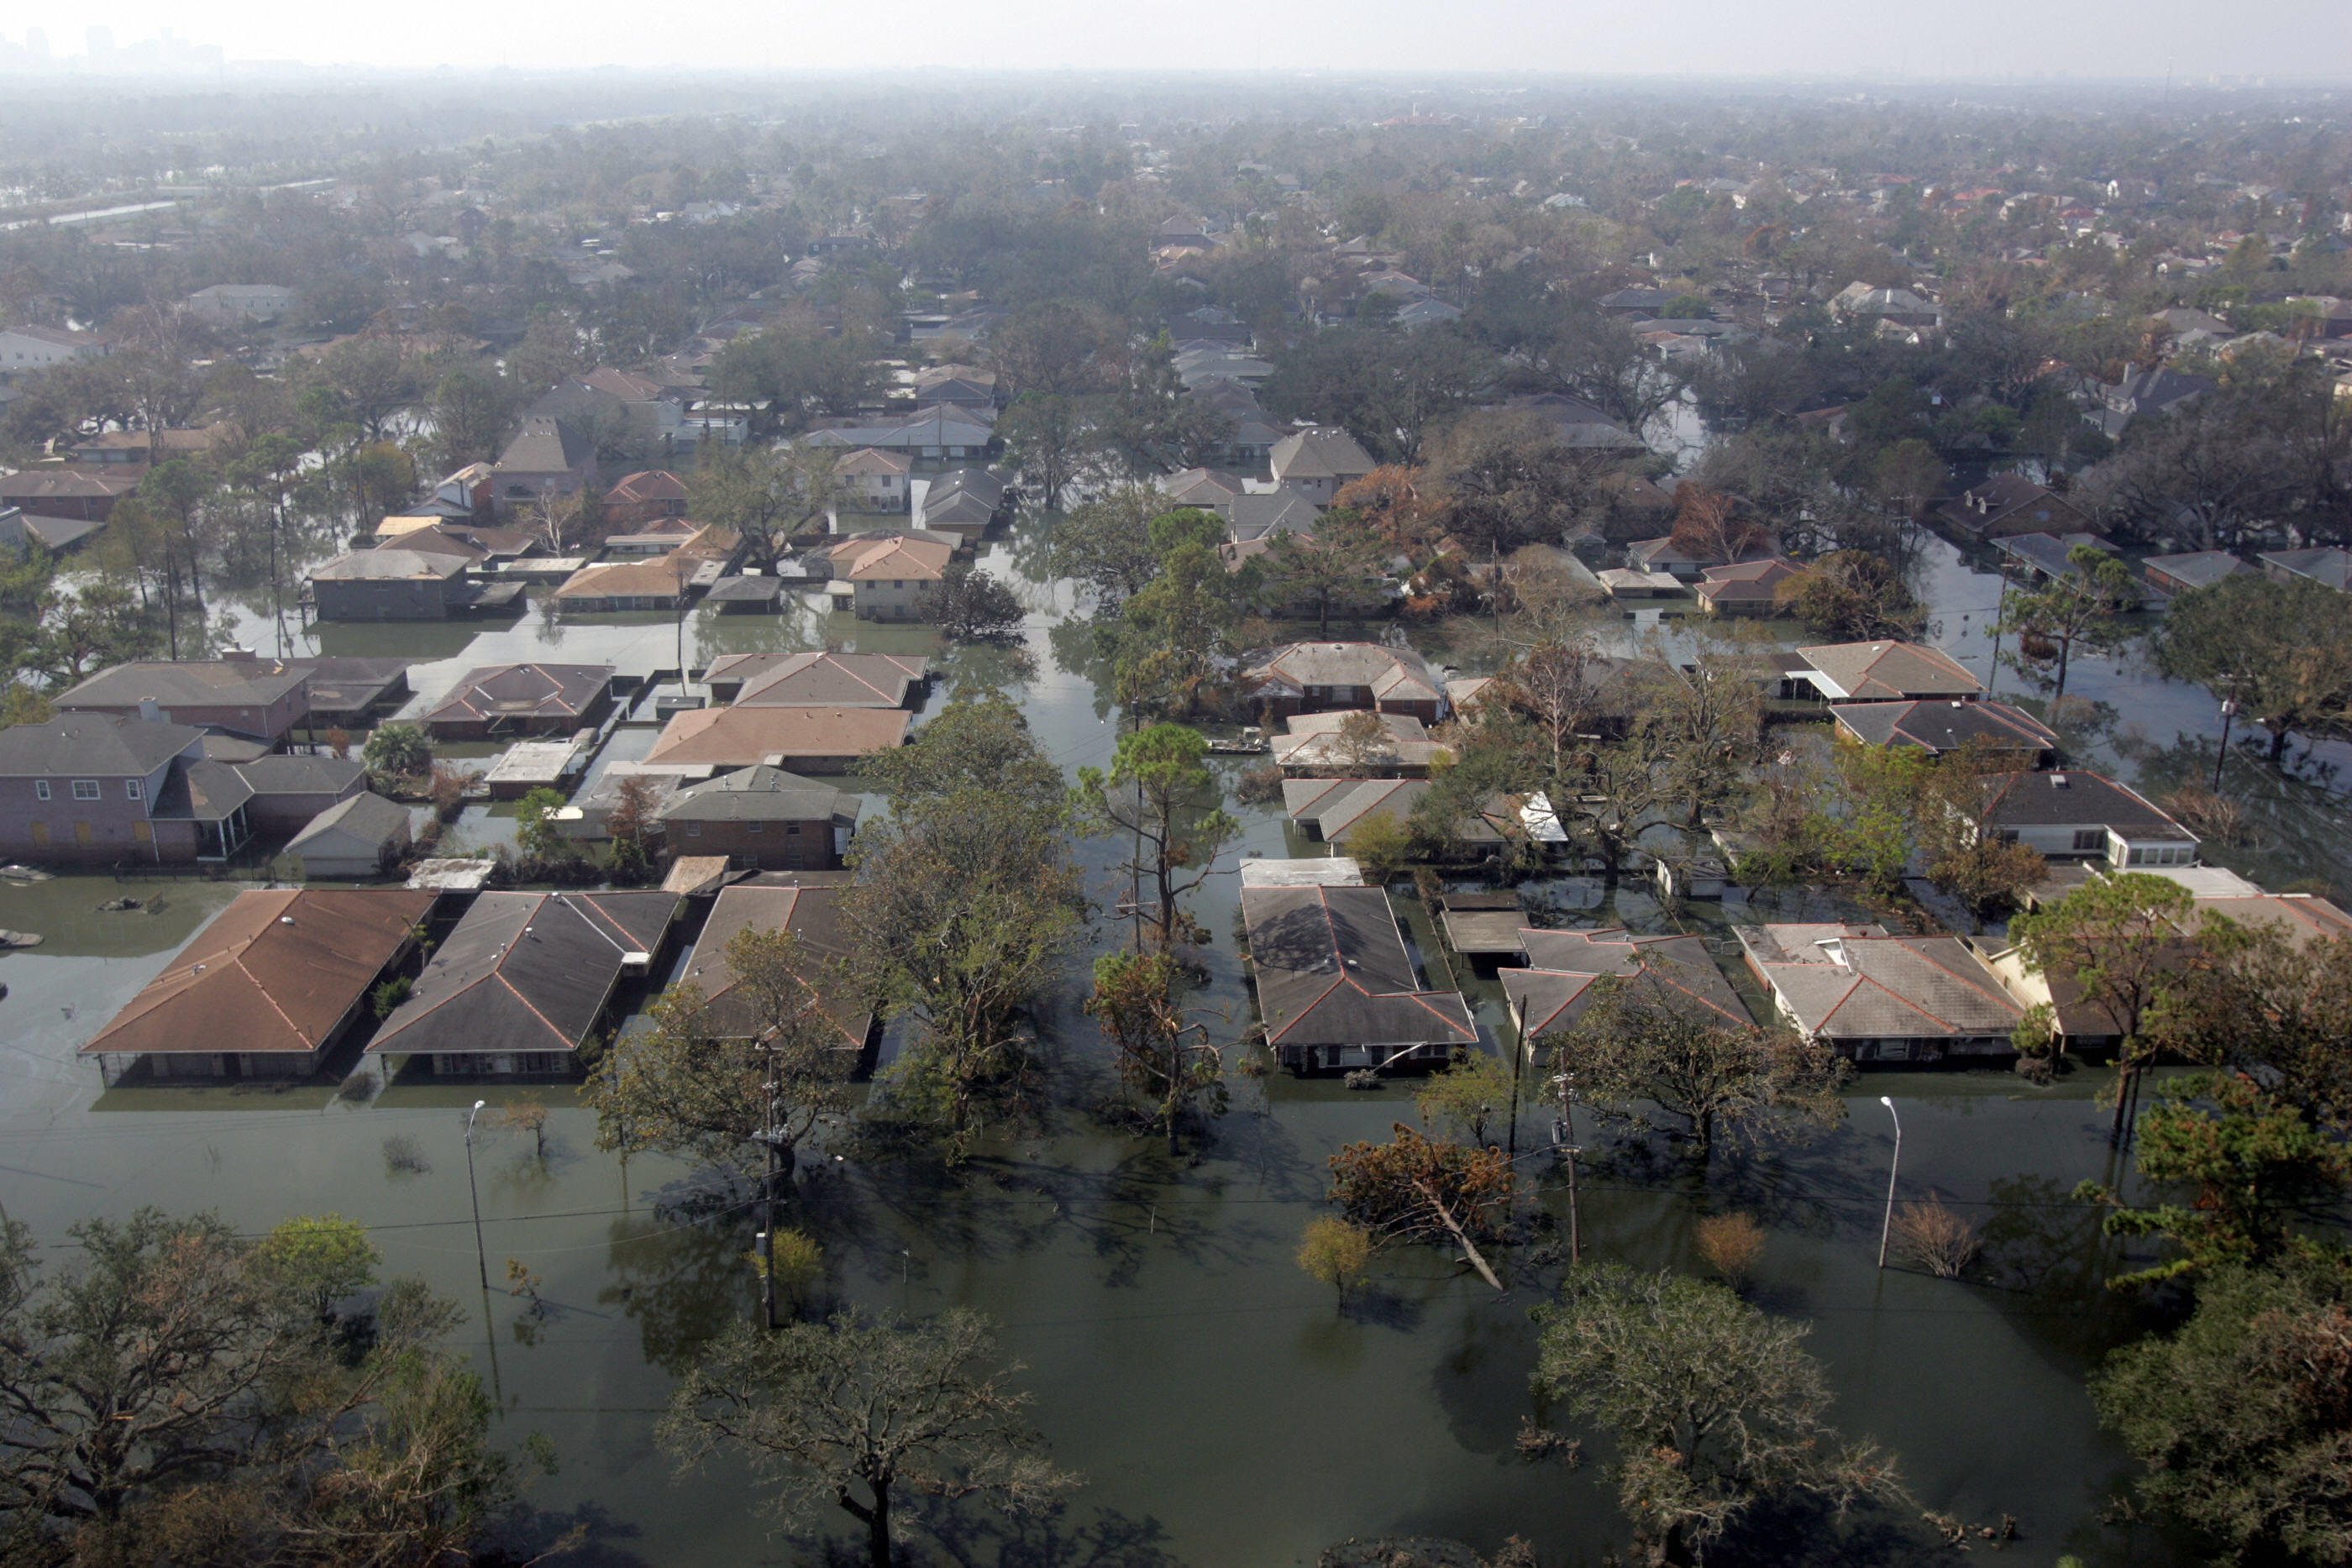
151 710
236 656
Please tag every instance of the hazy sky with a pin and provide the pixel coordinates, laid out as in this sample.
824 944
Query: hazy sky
2298 39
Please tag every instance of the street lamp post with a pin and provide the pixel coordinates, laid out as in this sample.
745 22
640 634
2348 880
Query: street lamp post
2222 754
1886 1227
482 1256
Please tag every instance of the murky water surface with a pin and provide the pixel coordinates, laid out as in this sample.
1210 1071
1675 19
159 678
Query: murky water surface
1224 1411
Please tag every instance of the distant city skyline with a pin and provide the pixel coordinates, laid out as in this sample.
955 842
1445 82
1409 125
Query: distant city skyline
2287 40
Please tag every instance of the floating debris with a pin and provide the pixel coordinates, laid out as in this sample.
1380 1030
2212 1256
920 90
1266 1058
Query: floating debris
19 939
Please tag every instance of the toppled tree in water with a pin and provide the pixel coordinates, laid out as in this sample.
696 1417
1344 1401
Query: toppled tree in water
1414 1188
1714 1406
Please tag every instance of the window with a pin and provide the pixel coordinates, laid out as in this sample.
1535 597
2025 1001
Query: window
86 789
2087 841
791 829
40 788
897 582
753 827
132 789
694 830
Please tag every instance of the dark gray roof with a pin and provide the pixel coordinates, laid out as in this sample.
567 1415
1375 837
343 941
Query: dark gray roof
2326 564
759 794
525 972
1332 969
287 775
1552 992
209 683
203 792
2069 799
1938 727
2196 569
93 745
805 903
340 685
1259 517
366 816
546 445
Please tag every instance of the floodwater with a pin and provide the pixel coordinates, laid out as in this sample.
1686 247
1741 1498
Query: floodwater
1224 1410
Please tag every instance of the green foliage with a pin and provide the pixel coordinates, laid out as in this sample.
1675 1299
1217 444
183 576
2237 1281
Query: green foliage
1714 1406
1160 799
1105 544
395 751
323 1258
389 994
1472 1094
534 832
1853 596
2244 1418
1382 846
971 606
1335 1252
2257 1166
2079 610
2281 650
1138 1001
1174 636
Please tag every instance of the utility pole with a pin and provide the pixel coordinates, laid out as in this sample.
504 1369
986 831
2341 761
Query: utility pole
481 1255
1564 1137
2229 712
1886 1227
768 1198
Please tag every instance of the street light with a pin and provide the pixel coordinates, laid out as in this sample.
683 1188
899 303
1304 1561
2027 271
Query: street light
481 1256
2221 755
1892 1167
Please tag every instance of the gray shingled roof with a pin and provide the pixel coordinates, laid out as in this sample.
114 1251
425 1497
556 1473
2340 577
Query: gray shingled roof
1552 992
1320 452
1332 969
1889 987
545 445
93 745
283 774
1940 727
1886 670
366 816
2069 798
210 682
759 794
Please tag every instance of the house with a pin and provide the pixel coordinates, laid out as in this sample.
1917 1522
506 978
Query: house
2010 737
664 582
646 497
236 304
808 905
522 982
1637 303
547 458
1551 994
1207 489
50 491
1749 588
2142 394
1313 745
1578 425
1685 562
1875 997
359 837
2329 566
263 698
388 584
288 790
1329 811
763 817
889 579
1899 306
20 529
620 410
1252 518
802 739
1318 461
2078 815
2049 556
876 481
2176 574
1337 987
348 693
24 348
965 502
1625 582
266 989
138 447
87 787
2010 503
1315 678
499 701
1878 672
819 680
930 437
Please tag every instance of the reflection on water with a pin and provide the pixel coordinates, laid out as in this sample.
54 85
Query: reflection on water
1225 1408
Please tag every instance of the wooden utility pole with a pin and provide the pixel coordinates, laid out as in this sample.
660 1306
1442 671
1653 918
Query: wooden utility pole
768 1198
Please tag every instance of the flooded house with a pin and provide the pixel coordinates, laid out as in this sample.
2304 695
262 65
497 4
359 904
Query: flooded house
523 981
1873 996
1337 987
1552 991
266 989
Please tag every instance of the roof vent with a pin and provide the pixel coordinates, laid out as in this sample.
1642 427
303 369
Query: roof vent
2058 781
285 920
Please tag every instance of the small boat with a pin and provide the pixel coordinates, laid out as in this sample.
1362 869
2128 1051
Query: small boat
19 939
23 873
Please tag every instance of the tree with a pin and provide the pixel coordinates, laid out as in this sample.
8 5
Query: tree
1160 798
1641 1051
964 904
859 1414
2258 1164
1138 1001
1967 856
1507 481
970 606
1415 1188
2282 651
1473 1090
1715 525
535 831
1104 544
1053 440
470 414
1337 567
696 1083
1335 1252
1714 1406
526 1113
766 494
396 751
1060 349
2080 606
1174 637
1853 596
2119 942
632 823
176 1397
2253 999
2242 1418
